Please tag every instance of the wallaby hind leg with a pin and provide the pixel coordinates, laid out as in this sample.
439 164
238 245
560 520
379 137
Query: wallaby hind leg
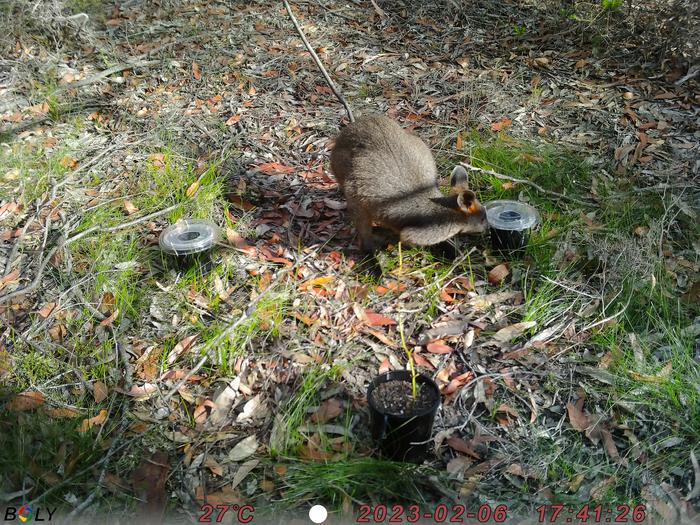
370 266
364 231
369 262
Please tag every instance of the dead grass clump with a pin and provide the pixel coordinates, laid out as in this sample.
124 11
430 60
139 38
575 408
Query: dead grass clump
658 30
622 256
51 25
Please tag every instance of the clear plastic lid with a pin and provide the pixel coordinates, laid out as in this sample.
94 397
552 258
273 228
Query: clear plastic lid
511 215
188 236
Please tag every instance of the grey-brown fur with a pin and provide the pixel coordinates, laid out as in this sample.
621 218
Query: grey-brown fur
389 177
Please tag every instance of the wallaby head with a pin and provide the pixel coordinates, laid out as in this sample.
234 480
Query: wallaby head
389 177
441 217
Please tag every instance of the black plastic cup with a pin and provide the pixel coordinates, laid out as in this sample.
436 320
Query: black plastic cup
403 437
188 243
510 223
506 241
187 261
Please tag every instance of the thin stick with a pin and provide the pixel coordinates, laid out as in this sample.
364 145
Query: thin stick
608 319
529 183
409 353
310 49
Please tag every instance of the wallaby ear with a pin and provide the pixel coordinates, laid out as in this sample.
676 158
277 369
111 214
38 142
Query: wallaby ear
467 202
459 177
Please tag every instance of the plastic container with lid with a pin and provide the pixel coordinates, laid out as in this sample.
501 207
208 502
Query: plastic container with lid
189 242
510 223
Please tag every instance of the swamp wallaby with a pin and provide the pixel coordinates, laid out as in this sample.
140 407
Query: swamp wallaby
389 177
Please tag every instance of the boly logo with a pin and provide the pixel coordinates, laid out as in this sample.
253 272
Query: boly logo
25 513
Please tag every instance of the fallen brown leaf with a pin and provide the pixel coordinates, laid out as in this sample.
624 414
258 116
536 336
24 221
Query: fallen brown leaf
381 336
375 319
109 320
661 377
143 390
329 409
438 347
244 448
240 203
192 189
130 208
239 242
148 481
58 332
611 447
245 469
25 401
214 466
68 162
14 117
99 391
511 332
577 418
422 361
62 412
458 444
384 366
47 309
275 167
503 123
181 347
318 281
87 424
10 277
313 449
506 409
234 118
498 274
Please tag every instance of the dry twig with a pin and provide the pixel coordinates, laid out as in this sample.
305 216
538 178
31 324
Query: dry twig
325 74
527 182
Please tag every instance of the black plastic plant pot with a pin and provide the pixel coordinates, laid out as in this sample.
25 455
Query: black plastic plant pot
402 434
188 243
510 223
185 262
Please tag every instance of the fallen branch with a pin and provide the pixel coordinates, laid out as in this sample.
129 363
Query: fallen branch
105 73
663 187
68 109
527 182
